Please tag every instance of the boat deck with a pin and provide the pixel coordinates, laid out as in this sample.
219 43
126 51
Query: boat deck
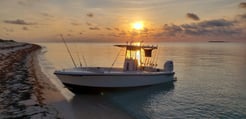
108 70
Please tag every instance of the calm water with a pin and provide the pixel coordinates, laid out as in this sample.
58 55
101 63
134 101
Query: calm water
211 79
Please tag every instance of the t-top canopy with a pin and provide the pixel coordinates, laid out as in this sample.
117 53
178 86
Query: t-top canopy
136 47
148 52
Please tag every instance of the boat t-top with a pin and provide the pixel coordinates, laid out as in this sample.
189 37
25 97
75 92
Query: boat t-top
137 70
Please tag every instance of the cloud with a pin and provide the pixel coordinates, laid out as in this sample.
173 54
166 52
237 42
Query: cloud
27 2
216 23
242 5
46 14
18 22
8 29
242 16
94 28
75 24
22 3
133 33
117 29
209 27
122 33
88 24
90 15
25 28
146 30
172 30
108 28
192 16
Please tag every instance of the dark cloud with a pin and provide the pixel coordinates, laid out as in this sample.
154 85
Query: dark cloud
122 33
146 30
25 28
88 24
27 2
242 16
216 23
117 29
75 24
94 28
90 15
18 22
22 3
192 16
108 28
133 33
242 5
8 29
172 30
46 14
114 35
210 27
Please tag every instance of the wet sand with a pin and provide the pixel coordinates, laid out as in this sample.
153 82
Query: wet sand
25 92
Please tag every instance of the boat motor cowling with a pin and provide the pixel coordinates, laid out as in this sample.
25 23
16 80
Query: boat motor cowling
168 66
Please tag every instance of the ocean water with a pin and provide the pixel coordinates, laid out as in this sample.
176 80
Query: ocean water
211 79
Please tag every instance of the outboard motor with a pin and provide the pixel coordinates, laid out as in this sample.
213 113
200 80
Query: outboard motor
168 66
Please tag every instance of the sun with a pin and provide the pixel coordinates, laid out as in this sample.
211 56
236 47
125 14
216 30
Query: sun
138 25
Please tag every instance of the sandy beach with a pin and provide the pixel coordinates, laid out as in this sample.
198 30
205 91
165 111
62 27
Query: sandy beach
25 92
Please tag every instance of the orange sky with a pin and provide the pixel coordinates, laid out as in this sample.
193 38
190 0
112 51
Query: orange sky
111 20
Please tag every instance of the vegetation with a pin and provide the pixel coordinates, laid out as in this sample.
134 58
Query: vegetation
1 40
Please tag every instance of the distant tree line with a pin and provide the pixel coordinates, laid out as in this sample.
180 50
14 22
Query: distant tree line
1 40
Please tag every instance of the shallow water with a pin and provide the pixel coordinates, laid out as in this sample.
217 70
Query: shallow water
211 79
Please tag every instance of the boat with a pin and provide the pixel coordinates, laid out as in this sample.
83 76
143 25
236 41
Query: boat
138 70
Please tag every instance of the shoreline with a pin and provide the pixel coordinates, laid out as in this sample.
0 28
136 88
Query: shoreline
33 95
21 92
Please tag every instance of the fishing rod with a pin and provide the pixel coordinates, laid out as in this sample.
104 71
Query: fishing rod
115 60
85 61
80 64
83 57
157 55
152 62
68 51
77 52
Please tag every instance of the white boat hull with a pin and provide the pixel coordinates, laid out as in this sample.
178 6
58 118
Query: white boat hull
115 80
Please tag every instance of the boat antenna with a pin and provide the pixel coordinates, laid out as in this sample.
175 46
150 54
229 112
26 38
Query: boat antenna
68 50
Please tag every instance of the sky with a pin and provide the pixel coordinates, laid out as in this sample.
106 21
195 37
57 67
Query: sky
112 20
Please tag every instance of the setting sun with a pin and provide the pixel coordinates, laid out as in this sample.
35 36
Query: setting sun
138 25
